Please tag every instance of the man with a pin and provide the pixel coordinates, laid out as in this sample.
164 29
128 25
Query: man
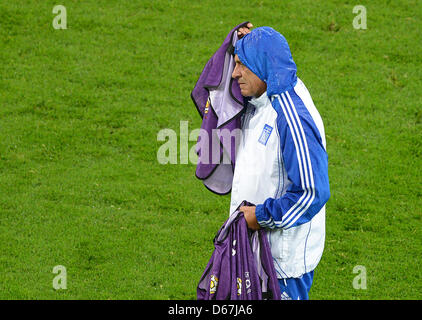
281 159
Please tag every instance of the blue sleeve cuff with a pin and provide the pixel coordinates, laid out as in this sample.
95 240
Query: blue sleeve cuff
260 214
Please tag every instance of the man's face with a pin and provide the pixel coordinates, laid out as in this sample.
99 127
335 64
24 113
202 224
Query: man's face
250 84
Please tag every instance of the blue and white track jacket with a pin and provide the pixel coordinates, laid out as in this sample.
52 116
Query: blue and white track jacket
281 159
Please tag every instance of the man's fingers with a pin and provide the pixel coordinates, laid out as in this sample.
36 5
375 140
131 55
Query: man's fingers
250 217
241 31
244 30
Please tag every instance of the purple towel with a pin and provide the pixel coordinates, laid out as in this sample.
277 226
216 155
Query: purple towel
241 266
219 102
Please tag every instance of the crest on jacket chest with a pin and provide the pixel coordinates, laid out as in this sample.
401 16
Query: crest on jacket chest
265 134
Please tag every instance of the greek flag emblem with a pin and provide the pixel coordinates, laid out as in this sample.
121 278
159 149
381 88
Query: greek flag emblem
265 134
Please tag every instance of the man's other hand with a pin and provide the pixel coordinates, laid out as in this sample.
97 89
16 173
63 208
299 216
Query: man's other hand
244 30
250 217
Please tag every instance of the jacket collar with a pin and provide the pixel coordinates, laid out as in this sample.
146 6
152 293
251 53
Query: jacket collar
260 101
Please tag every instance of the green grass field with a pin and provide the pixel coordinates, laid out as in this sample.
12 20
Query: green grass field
80 110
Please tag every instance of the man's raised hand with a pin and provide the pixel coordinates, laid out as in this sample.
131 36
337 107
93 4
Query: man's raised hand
241 32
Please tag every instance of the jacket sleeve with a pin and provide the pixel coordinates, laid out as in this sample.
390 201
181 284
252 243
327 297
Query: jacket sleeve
305 161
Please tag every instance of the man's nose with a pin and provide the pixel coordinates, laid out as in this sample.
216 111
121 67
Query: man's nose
235 73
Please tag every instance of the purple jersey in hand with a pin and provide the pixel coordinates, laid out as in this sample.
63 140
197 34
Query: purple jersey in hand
241 266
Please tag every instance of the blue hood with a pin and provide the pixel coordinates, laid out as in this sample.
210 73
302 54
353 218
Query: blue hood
266 53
